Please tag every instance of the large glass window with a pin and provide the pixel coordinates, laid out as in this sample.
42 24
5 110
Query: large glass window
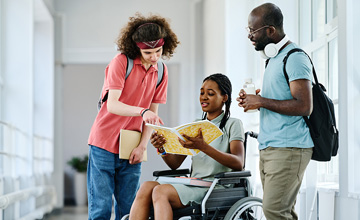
2 125
318 18
331 9
26 128
318 35
333 69
352 34
2 151
319 60
1 78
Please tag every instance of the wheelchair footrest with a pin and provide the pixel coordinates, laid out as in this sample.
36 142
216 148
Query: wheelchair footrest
192 210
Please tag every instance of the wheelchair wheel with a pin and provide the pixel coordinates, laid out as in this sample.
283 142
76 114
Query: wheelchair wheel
125 217
249 208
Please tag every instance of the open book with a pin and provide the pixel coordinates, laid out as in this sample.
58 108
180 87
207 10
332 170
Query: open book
172 146
184 180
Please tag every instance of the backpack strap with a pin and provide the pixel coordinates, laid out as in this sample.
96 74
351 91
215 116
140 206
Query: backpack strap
160 66
306 119
286 58
129 66
266 62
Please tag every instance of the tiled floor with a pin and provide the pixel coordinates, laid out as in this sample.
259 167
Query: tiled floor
70 213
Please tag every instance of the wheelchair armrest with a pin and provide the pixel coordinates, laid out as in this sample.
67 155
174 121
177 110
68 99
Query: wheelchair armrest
234 177
180 172
244 173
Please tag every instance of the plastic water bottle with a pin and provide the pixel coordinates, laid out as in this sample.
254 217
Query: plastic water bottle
249 88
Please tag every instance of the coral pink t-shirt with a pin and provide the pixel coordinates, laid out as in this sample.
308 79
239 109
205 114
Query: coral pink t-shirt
139 89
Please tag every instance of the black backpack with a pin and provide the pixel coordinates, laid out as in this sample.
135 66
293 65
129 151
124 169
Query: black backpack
129 66
322 123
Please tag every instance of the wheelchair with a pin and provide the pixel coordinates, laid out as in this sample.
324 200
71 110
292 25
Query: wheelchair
232 203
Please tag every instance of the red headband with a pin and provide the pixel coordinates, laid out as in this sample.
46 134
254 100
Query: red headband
151 44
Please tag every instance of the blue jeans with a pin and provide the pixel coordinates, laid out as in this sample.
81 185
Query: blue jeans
108 175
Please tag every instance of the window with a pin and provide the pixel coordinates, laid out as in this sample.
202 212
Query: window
349 36
2 126
43 103
318 36
26 128
1 77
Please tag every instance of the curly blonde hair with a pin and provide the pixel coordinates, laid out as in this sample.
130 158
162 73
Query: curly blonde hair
156 27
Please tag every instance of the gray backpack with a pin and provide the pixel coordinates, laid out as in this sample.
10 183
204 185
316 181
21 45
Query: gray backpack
129 67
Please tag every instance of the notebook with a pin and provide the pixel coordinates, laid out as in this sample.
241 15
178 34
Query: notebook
127 142
185 180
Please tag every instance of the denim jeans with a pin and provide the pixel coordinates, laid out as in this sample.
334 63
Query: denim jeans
108 176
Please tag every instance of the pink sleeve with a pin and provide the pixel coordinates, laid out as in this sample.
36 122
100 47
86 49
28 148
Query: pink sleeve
115 73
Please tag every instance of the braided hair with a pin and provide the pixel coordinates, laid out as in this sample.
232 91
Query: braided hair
226 89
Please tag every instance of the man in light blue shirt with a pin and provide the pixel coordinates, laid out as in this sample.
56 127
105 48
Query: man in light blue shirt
284 139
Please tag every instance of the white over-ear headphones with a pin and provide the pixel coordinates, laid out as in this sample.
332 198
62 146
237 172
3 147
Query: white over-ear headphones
271 50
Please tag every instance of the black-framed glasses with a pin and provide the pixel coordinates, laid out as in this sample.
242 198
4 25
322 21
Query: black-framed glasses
251 33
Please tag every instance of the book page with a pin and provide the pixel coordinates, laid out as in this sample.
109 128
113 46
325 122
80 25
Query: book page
172 145
209 130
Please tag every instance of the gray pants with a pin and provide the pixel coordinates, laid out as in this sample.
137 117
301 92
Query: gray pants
281 172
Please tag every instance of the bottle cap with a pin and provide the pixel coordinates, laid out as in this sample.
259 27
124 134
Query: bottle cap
248 80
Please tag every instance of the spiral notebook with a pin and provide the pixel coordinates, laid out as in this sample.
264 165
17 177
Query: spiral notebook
127 142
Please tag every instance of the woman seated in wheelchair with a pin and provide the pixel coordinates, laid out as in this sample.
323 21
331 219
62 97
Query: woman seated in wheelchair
226 153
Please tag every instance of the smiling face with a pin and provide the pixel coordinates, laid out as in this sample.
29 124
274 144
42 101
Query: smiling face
211 99
258 31
150 56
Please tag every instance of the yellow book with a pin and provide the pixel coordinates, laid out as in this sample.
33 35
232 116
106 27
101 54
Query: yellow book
128 141
172 146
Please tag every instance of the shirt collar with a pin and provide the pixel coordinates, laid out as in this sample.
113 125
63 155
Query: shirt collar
137 61
218 119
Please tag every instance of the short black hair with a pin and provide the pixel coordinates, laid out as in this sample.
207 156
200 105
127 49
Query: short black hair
272 15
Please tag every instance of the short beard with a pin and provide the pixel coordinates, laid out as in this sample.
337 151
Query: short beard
261 44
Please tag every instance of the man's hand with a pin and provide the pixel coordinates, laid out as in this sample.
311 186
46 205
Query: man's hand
249 102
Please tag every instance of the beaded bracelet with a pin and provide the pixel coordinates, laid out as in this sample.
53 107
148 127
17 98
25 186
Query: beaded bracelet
163 154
